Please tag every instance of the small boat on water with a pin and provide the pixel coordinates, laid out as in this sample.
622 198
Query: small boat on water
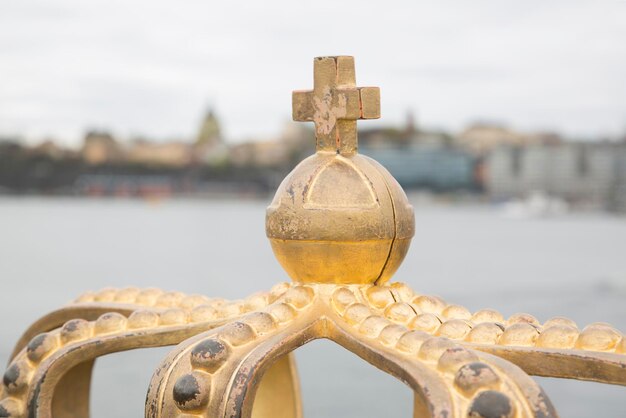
537 205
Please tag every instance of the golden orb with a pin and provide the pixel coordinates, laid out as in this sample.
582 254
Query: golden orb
339 217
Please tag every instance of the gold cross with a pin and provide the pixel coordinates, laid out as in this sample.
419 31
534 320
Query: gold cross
335 104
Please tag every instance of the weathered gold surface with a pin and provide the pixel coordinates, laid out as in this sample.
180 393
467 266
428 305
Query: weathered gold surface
333 222
230 359
339 217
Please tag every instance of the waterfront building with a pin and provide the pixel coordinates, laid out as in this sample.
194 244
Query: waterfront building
284 151
427 166
582 173
166 154
100 147
482 138
421 158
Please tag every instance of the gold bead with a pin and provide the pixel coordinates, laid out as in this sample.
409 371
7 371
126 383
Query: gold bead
209 355
126 295
455 329
174 316
86 297
299 296
106 295
453 358
598 337
203 313
429 304
411 341
379 296
109 322
519 334
75 330
12 407
191 301
255 302
485 333
456 312
356 313
402 291
391 334
434 347
261 322
475 376
143 319
425 322
229 309
491 400
342 298
17 376
282 312
399 312
559 320
169 299
278 290
41 345
191 391
148 297
237 333
523 318
487 315
558 336
373 325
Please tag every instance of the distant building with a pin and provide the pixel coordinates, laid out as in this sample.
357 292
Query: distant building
100 148
259 154
420 158
295 143
210 131
167 154
50 149
585 173
482 138
434 167
408 136
210 147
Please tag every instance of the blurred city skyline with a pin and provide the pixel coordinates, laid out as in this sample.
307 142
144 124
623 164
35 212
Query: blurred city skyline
151 69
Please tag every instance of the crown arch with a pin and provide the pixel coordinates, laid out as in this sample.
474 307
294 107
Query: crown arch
448 380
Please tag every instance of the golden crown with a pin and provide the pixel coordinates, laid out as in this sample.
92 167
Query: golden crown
340 225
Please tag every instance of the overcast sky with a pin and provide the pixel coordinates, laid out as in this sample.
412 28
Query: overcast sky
152 68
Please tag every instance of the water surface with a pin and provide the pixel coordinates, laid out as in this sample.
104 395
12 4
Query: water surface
54 249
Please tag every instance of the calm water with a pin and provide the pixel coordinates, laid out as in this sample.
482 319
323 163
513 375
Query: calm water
54 249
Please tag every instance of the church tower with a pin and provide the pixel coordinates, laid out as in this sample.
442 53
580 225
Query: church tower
209 147
209 133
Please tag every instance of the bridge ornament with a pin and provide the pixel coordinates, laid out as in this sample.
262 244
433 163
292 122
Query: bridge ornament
340 225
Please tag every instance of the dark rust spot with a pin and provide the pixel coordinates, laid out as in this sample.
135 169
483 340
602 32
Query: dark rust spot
490 404
186 390
72 325
209 354
11 375
474 376
209 349
477 368
36 342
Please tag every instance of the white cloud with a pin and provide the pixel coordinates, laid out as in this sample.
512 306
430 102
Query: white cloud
152 67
